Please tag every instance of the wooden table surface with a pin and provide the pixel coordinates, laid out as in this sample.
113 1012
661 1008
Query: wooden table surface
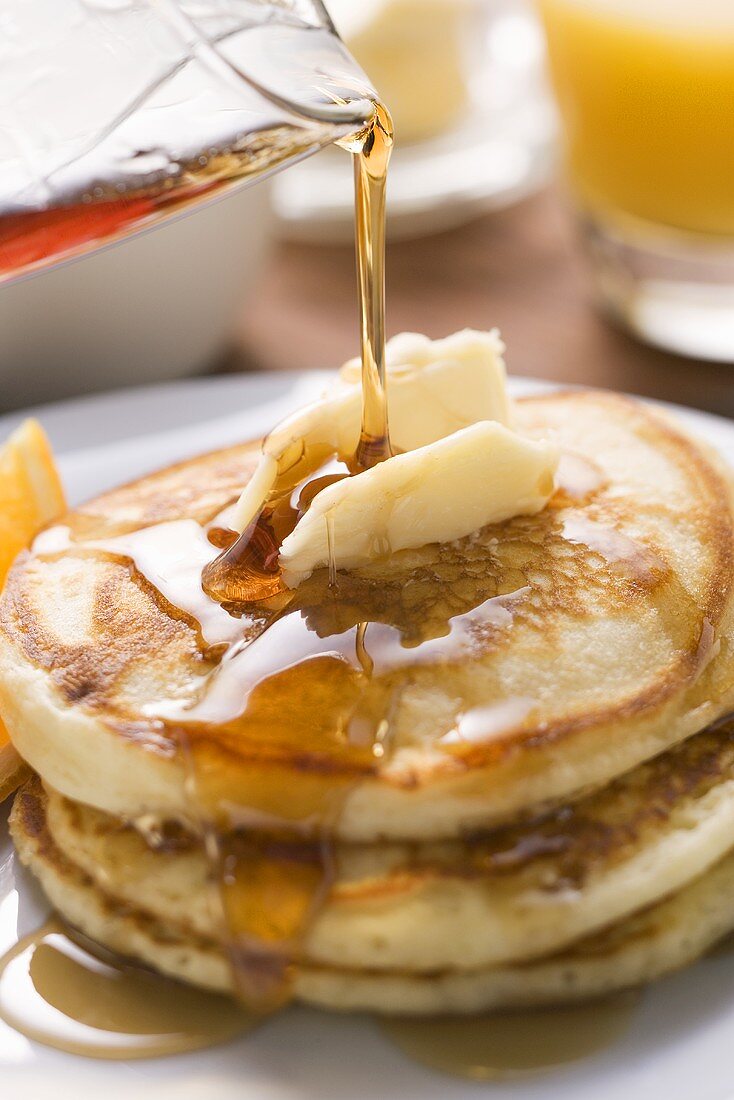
519 270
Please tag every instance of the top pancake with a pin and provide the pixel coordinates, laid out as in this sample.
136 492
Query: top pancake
513 668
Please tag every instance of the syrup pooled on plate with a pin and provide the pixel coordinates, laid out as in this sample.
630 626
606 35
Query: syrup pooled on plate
513 1044
64 993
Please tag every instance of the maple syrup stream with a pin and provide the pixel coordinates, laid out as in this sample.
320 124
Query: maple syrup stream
371 159
248 570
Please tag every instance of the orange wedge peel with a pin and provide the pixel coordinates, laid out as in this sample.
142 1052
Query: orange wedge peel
31 495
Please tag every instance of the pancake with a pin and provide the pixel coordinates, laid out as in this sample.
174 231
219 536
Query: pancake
515 894
512 669
634 951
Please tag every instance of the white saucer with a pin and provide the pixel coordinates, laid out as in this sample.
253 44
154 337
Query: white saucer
679 1047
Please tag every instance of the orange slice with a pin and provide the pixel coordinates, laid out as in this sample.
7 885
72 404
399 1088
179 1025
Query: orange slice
31 495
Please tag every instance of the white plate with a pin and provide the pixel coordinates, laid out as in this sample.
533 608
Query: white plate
679 1047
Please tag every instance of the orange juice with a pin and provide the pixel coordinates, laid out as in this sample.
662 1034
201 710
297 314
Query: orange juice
646 93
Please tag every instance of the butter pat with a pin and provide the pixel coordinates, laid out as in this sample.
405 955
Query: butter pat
461 465
434 388
481 474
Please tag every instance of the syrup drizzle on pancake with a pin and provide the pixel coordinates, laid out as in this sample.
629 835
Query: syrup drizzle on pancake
308 688
309 694
577 478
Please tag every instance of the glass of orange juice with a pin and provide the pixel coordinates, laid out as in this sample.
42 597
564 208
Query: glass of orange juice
646 95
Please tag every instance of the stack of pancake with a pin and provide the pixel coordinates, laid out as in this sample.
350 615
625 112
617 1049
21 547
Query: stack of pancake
551 814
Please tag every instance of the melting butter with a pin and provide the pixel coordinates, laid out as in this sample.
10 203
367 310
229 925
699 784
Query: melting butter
479 475
457 466
434 388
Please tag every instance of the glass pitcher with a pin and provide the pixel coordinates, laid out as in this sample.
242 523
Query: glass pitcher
117 114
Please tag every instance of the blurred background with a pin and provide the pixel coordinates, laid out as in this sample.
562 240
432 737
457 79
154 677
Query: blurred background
563 171
491 236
